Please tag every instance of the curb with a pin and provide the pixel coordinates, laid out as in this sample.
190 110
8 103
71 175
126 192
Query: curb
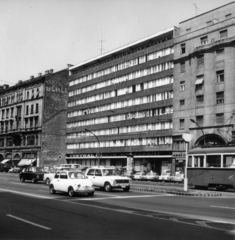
176 192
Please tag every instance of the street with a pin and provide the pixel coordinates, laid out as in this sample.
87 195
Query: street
29 211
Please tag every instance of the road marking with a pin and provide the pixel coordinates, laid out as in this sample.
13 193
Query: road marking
222 207
23 220
202 223
18 183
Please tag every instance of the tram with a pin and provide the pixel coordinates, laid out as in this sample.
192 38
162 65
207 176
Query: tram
212 167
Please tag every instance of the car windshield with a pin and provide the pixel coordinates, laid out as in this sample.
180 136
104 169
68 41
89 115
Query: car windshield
38 169
110 172
76 175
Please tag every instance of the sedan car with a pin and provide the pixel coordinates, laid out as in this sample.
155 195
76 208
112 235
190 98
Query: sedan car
71 182
138 175
14 170
177 177
150 176
165 175
33 174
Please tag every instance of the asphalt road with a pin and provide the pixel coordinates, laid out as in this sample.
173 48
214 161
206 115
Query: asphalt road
28 211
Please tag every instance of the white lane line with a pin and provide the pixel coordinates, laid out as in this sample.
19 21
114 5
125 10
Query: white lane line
18 183
34 224
27 194
222 207
121 197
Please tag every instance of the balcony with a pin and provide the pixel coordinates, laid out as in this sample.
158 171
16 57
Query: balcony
214 43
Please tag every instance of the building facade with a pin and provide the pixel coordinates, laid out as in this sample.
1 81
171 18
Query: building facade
204 73
33 120
120 106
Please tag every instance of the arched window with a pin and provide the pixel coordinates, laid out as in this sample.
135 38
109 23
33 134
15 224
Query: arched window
210 139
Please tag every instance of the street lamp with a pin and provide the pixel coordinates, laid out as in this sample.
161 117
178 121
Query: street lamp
98 143
201 130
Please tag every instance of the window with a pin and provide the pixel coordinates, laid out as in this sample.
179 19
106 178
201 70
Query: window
182 103
183 48
199 80
219 97
219 54
36 110
213 161
200 61
98 172
219 118
223 34
204 40
182 67
91 172
199 120
200 99
181 123
27 110
228 15
31 109
220 76
182 86
228 161
198 161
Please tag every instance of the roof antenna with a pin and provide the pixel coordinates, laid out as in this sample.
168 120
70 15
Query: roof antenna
196 8
101 46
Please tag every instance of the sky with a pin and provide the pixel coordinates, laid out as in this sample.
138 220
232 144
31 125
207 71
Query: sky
39 35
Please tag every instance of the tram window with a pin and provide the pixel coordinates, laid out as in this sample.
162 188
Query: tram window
213 160
190 161
198 161
229 161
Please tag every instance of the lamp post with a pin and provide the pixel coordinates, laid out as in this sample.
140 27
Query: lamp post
201 130
98 143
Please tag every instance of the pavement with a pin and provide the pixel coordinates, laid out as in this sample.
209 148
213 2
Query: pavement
177 189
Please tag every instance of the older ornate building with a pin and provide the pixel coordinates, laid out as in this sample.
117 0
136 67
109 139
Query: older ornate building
33 120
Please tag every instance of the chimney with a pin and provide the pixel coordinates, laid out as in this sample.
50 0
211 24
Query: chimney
47 72
20 81
31 77
5 86
51 71
39 74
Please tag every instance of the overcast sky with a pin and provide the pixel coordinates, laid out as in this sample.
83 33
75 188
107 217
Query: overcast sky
38 35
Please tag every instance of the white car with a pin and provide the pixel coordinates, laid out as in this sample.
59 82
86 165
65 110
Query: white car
71 182
165 175
107 178
138 176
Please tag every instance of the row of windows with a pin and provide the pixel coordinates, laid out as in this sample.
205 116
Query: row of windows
10 112
122 143
128 129
122 91
6 126
32 109
123 78
124 103
219 119
25 141
139 114
204 40
19 96
123 65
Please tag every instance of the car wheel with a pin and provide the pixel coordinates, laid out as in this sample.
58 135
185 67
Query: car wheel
52 189
47 182
22 179
107 187
126 189
34 180
71 192
90 193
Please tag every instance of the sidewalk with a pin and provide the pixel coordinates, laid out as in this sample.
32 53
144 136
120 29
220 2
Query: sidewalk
175 188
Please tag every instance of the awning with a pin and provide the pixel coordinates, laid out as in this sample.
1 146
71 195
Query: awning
26 162
199 81
5 160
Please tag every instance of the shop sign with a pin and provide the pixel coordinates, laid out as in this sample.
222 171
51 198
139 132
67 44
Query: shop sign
179 155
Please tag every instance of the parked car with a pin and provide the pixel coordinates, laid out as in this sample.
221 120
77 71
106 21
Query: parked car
165 175
177 177
33 174
71 182
107 178
150 176
5 167
14 170
138 176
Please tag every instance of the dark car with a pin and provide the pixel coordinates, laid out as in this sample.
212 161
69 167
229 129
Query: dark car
5 168
33 174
